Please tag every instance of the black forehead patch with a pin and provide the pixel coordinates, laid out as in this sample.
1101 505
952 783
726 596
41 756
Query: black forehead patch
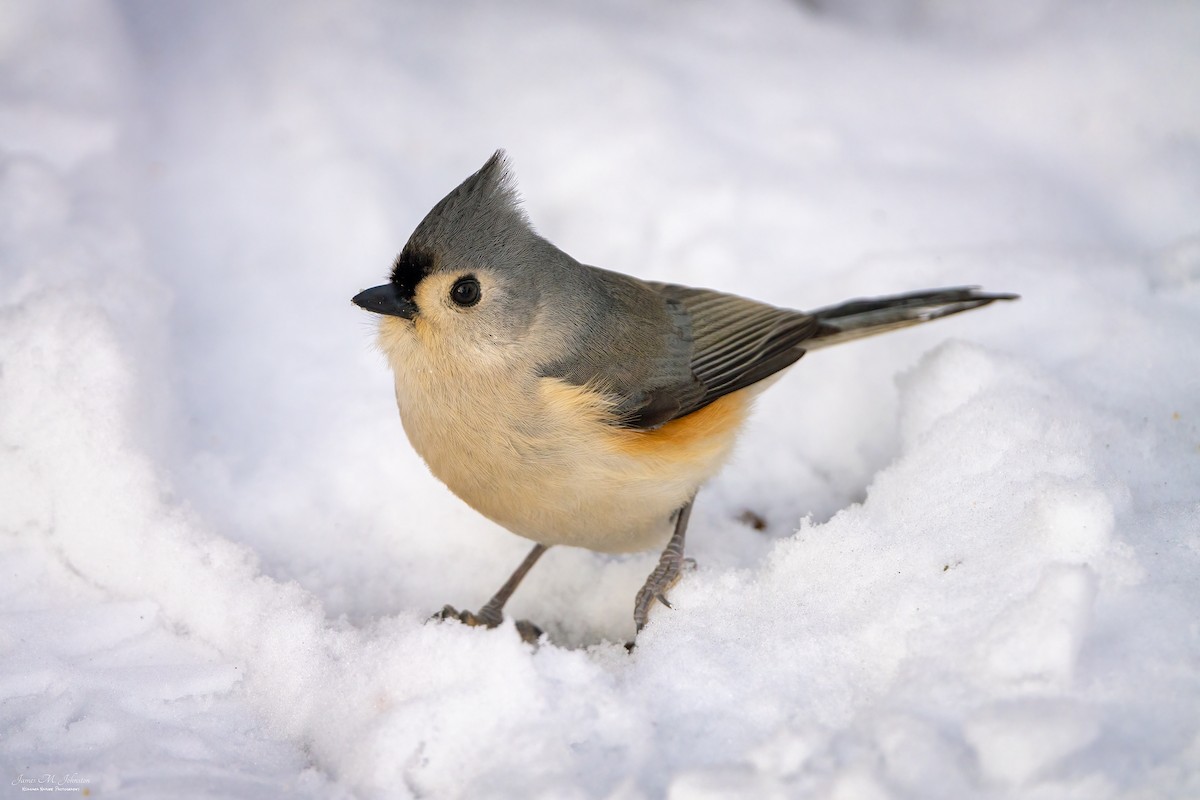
413 264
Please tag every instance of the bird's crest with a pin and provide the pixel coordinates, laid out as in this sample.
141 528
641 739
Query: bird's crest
472 227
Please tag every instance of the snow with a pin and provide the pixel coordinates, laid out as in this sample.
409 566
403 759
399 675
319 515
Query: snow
979 569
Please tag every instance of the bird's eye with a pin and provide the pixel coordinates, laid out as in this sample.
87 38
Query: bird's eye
465 291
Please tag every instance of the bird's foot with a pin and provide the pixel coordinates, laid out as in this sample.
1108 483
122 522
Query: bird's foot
465 617
655 588
528 632
666 574
661 580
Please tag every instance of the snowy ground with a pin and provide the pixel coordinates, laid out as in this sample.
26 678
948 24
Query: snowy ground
980 574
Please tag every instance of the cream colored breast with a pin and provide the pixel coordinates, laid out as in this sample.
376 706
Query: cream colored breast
540 456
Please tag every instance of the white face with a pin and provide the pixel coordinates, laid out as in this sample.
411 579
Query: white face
465 322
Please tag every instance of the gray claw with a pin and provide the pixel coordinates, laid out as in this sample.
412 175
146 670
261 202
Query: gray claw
529 632
449 612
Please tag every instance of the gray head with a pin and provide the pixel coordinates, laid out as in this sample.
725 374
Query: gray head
469 274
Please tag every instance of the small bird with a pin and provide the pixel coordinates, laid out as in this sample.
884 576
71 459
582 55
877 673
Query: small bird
577 406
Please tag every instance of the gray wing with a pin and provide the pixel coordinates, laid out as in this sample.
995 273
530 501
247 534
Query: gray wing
665 351
736 342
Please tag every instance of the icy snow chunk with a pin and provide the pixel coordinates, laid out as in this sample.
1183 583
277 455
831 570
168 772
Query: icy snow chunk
1036 640
1019 741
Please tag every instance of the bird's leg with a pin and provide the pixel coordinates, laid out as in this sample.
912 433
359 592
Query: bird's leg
491 614
666 574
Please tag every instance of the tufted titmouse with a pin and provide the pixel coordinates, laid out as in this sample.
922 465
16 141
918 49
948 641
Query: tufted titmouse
578 406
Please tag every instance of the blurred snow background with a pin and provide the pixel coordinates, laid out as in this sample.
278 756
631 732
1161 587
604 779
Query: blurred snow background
980 570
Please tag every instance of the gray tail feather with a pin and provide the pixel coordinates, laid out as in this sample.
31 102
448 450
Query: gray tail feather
856 319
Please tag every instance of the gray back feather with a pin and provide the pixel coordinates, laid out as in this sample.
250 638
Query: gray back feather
665 351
